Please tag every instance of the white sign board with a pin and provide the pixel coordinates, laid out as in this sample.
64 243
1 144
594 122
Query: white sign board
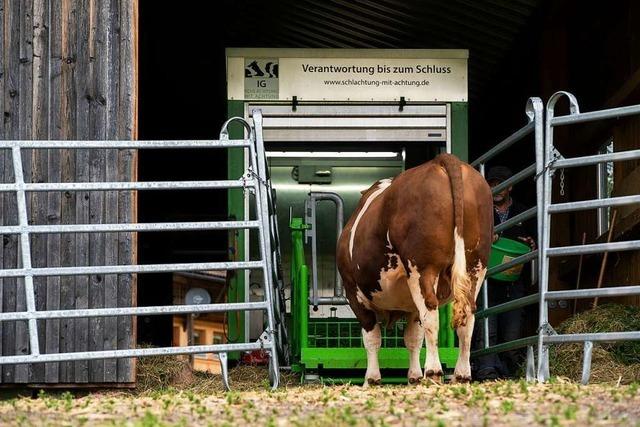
358 78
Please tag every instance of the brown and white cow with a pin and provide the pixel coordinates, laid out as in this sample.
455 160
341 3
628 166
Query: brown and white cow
414 243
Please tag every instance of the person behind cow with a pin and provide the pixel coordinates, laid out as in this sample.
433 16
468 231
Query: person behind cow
505 326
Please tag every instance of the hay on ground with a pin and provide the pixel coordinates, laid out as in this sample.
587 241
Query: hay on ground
611 362
163 372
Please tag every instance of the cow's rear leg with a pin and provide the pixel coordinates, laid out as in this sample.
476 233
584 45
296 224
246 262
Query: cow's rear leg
422 284
372 342
413 339
462 373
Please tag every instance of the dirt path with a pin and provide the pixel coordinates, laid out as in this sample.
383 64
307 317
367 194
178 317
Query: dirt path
497 403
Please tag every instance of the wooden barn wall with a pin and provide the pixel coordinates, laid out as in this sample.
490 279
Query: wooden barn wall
67 71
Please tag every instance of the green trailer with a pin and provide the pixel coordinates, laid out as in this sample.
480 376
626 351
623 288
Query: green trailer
335 121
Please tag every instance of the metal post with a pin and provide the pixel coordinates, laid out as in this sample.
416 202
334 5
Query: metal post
586 362
262 212
544 155
25 246
485 296
531 365
311 234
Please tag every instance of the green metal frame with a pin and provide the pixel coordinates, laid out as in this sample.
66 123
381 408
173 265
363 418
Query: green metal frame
330 344
334 343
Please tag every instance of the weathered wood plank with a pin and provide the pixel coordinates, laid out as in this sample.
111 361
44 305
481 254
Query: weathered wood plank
54 207
26 123
68 174
82 174
111 197
3 154
40 130
97 123
127 114
12 130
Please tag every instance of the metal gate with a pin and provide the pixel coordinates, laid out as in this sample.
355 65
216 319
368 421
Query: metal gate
254 181
548 161
553 162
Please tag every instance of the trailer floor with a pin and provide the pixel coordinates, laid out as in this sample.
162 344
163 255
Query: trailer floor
494 403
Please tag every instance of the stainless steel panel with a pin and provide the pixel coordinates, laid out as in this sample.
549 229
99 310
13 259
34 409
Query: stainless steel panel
360 135
327 110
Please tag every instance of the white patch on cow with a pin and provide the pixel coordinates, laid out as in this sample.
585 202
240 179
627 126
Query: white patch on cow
358 265
460 281
431 326
389 245
479 271
429 320
413 339
463 367
394 293
382 185
372 342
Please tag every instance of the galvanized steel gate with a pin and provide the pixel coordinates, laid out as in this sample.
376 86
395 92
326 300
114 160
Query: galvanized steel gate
548 161
255 181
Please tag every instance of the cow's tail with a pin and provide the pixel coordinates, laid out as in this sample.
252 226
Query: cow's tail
460 281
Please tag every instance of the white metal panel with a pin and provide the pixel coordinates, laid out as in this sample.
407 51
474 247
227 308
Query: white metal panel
351 122
346 135
354 122
329 110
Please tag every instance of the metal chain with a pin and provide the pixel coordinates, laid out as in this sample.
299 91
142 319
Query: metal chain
562 182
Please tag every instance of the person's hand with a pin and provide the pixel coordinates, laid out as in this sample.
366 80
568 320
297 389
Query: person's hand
495 237
529 241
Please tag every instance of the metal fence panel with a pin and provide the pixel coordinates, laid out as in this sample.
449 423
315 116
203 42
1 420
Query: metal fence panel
254 180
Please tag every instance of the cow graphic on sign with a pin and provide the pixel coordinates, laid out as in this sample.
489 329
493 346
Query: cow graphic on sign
261 78
254 70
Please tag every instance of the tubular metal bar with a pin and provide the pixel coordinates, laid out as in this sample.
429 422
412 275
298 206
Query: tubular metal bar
262 196
504 307
516 261
523 216
599 337
117 186
591 116
595 159
107 145
115 228
594 248
133 311
122 269
594 203
485 321
485 296
591 293
586 362
330 301
504 144
520 176
544 154
25 246
511 345
138 352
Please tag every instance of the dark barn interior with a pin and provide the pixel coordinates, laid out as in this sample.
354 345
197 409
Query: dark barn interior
517 49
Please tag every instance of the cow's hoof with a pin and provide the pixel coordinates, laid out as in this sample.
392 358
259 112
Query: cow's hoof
414 381
433 376
372 381
460 379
